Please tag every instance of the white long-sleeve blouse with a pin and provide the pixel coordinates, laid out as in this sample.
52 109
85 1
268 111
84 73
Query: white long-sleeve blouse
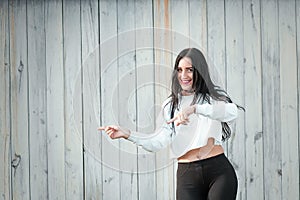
204 124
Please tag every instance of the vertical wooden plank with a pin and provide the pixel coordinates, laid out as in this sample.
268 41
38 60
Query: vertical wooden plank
5 148
298 69
109 107
288 99
145 95
253 100
91 99
163 70
180 26
216 40
37 100
198 24
55 99
73 104
19 100
235 86
127 96
271 100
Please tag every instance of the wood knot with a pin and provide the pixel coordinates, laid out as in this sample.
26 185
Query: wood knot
279 171
21 66
16 162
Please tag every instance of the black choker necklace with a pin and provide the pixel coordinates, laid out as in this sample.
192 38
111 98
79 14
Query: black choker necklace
189 91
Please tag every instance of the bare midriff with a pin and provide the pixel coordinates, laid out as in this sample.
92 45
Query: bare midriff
201 153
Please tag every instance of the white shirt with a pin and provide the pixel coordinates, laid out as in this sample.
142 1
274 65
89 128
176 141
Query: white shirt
204 124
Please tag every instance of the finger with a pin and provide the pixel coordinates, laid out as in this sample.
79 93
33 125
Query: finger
107 129
110 135
101 128
172 120
180 123
183 122
114 127
110 130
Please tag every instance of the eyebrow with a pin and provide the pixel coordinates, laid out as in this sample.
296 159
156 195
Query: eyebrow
186 67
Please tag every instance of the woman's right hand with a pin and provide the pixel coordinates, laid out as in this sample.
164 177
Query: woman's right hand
115 132
182 117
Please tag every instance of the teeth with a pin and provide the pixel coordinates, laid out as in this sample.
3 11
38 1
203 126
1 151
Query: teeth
185 81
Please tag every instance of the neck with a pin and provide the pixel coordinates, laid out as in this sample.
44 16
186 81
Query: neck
187 92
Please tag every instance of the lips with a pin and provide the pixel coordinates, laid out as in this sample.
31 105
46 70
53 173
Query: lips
186 82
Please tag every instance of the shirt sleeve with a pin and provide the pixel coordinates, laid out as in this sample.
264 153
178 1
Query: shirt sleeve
161 137
218 110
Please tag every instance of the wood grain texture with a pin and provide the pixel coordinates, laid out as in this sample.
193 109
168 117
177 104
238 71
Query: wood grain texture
109 105
198 24
297 6
163 57
55 99
253 100
37 100
91 99
73 101
216 39
19 100
5 130
127 97
288 99
271 100
235 86
145 103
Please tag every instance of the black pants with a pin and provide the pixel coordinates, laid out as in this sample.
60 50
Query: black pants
212 178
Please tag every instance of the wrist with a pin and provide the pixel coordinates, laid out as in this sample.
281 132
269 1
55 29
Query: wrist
127 135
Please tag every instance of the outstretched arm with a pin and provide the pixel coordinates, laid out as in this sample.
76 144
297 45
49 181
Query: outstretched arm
115 132
155 141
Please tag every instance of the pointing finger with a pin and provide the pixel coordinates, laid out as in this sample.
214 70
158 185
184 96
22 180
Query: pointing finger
101 128
172 120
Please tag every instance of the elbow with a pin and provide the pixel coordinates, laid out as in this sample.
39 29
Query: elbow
231 112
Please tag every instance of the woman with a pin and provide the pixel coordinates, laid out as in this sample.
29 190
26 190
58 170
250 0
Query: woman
195 121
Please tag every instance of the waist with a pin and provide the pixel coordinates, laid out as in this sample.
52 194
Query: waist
200 154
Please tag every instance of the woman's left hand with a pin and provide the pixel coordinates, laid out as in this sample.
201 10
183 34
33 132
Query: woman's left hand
182 117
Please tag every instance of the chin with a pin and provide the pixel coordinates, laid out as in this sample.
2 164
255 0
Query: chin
187 88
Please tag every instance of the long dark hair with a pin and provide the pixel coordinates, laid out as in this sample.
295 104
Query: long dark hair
203 86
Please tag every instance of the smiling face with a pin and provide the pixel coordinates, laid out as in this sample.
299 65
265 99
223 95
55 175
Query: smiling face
185 75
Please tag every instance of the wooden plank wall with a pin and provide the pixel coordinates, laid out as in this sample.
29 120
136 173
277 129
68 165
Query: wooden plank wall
67 67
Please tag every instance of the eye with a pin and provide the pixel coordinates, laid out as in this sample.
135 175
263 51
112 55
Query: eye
191 69
179 70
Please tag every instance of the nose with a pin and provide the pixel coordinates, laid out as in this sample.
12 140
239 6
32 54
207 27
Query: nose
184 73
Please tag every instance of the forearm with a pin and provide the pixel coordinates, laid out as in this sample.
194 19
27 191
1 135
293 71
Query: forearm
223 112
151 142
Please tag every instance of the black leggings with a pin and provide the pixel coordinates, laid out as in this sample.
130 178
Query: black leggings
212 178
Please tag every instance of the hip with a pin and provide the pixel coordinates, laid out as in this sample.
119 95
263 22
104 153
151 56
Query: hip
199 154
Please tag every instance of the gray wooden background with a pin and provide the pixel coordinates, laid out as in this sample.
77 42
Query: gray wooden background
67 67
